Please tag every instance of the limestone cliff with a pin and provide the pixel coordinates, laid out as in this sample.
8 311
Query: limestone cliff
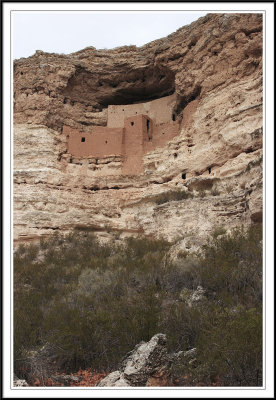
214 69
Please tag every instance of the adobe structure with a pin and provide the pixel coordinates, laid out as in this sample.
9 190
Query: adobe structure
132 131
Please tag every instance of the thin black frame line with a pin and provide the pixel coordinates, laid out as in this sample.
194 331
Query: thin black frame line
211 11
264 231
140 388
263 197
11 219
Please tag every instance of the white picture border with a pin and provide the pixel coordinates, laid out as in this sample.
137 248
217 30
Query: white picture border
267 9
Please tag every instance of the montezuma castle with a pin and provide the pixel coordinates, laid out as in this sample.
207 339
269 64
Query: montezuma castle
99 135
132 131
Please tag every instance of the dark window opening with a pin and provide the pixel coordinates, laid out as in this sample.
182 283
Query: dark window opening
83 139
132 123
123 109
175 155
173 117
209 170
163 133
150 139
106 141
64 100
148 125
21 73
67 136
184 175
192 43
71 160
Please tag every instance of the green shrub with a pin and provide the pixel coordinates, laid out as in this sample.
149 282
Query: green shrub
173 195
231 269
217 231
230 348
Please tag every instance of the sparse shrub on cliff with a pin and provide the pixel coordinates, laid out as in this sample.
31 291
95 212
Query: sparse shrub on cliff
217 231
202 193
173 195
229 188
215 192
91 303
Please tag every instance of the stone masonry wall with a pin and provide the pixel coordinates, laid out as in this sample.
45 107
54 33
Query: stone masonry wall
129 133
160 111
135 132
100 142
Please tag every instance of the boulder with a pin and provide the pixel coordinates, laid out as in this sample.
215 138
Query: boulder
196 296
116 378
148 364
19 382
144 365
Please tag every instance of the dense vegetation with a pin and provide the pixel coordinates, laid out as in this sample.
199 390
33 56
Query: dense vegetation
87 304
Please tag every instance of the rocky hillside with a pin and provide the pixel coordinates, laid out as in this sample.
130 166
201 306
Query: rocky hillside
214 66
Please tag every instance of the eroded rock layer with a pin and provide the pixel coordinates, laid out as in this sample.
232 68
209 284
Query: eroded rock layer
214 68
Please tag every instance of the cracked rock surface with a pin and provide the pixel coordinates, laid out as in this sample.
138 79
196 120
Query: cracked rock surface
148 364
214 66
140 364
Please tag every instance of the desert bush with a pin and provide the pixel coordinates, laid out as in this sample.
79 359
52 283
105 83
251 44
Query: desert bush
217 231
215 191
85 297
173 195
230 348
91 303
182 324
231 269
202 193
181 275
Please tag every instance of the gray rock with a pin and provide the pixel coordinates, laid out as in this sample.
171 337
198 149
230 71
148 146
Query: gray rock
146 360
182 357
116 378
148 364
19 382
140 364
196 296
190 353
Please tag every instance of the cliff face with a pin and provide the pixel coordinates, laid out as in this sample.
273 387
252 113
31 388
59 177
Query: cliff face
214 68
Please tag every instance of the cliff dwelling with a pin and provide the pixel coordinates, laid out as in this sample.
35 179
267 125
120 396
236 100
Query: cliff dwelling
132 131
147 120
